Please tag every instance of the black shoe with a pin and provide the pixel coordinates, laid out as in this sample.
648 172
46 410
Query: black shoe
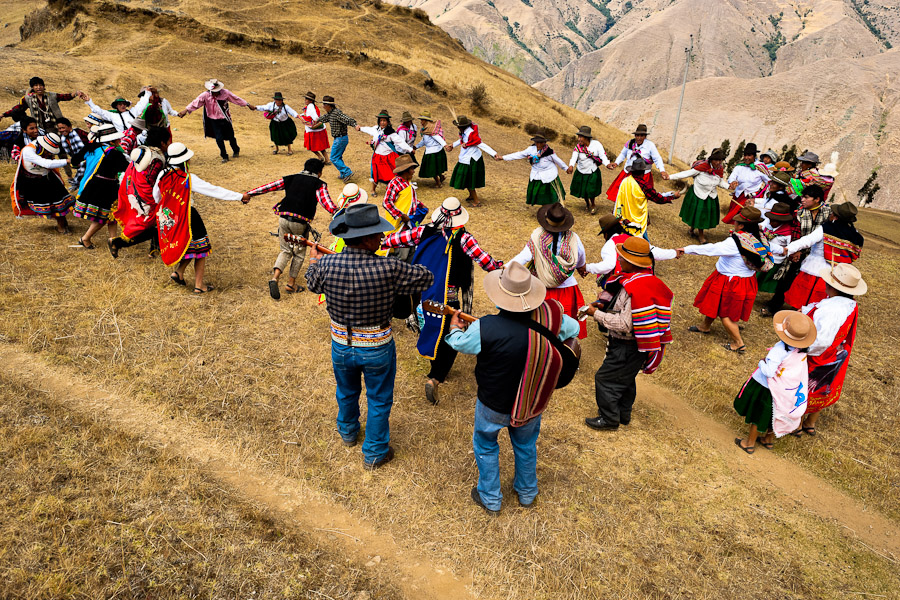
476 498
113 249
381 461
273 290
624 421
236 153
529 505
224 159
431 391
600 424
350 442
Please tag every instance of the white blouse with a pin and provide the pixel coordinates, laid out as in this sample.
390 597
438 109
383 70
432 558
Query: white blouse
383 149
830 316
704 183
120 120
313 113
467 155
544 169
38 165
647 150
284 113
525 256
815 260
730 263
609 256
432 143
584 163
749 180
200 186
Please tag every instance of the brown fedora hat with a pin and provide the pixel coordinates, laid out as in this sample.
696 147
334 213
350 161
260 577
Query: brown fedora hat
555 218
636 250
782 178
749 214
794 328
585 131
514 288
404 163
641 130
310 96
607 222
845 211
462 121
406 117
328 100
717 154
780 212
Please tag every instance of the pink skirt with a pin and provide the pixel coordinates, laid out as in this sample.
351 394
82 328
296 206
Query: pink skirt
571 300
316 141
805 289
727 297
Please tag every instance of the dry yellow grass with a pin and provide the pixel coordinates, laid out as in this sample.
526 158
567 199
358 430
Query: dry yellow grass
645 513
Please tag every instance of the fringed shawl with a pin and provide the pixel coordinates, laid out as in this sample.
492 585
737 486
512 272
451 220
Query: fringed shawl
552 265
542 366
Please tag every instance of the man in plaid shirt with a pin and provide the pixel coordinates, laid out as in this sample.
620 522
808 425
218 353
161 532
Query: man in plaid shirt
73 141
812 213
339 140
360 290
450 252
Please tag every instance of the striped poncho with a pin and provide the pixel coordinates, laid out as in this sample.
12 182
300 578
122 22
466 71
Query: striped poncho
651 313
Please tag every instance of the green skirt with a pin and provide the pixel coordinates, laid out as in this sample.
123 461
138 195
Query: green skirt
545 193
468 177
586 186
433 164
754 403
766 282
700 214
283 133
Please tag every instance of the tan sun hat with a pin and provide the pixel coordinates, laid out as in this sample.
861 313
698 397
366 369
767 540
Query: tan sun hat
352 195
451 213
794 328
214 85
141 157
514 288
426 116
845 278
635 250
404 163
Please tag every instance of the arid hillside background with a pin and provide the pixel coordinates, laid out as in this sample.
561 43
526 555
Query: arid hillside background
161 445
820 74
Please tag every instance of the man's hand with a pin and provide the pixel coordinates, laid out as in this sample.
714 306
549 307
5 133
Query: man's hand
456 322
404 218
664 175
68 160
679 252
795 258
498 158
245 198
358 128
315 253
582 271
733 185
251 107
181 114
570 170
612 166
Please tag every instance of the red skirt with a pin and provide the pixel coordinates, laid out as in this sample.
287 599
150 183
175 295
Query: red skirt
613 192
806 289
571 300
383 167
315 141
727 297
737 203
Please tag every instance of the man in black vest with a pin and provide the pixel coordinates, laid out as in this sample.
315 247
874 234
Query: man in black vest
42 105
501 343
303 193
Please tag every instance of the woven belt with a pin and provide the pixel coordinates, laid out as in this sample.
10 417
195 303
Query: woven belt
363 337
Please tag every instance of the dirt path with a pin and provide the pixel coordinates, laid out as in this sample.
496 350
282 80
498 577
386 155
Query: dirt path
288 498
873 530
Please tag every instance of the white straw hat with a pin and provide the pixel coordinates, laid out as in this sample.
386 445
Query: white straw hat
141 157
450 213
104 133
49 142
214 85
352 194
178 153
845 278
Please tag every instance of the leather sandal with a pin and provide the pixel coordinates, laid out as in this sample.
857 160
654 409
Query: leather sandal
739 350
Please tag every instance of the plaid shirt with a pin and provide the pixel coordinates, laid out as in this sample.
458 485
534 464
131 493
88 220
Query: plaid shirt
129 140
411 237
397 185
360 287
322 194
805 221
338 121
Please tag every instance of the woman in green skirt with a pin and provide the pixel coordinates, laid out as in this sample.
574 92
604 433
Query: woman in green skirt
700 209
468 174
281 122
434 162
544 186
586 159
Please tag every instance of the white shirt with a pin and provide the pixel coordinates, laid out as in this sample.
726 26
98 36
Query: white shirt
432 143
383 149
121 120
38 165
730 262
749 180
584 163
467 155
769 365
830 316
313 113
609 256
815 260
200 187
544 169
285 112
704 183
647 150
525 256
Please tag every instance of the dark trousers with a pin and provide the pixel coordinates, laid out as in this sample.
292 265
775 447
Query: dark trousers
614 383
784 284
444 357
223 130
148 234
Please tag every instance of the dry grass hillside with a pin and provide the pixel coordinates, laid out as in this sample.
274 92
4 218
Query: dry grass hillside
159 438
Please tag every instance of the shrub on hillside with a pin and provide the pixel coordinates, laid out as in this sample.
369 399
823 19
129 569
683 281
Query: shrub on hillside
568 140
533 129
479 98
507 122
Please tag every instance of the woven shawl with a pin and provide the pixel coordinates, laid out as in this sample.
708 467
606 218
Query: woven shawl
542 366
552 268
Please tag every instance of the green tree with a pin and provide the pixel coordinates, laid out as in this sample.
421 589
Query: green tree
866 193
790 154
725 147
738 155
702 154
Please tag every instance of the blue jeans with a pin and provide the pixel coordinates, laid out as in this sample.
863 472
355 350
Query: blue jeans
338 145
488 424
378 366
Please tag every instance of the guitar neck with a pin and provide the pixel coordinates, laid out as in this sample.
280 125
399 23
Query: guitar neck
298 239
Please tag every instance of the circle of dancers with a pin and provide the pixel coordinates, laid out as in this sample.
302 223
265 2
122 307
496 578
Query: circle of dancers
125 171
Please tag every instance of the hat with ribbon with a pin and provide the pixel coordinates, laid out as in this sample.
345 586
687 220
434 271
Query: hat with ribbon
139 124
406 117
383 114
845 278
555 218
783 165
514 288
607 222
450 213
404 163
277 96
426 116
104 133
214 85
462 121
359 220
585 131
49 142
178 153
141 157
351 194
781 178
120 100
328 100
794 328
93 119
310 96
641 130
780 212
636 250
749 214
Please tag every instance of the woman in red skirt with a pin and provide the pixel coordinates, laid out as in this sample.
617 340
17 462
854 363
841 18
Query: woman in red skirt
315 138
386 145
553 254
729 292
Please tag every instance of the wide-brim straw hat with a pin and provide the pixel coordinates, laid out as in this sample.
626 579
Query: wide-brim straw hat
845 278
585 131
462 121
139 123
780 213
214 85
514 288
141 158
810 157
749 214
178 153
450 213
555 218
104 133
120 100
93 119
636 250
352 194
404 163
359 220
426 116
640 130
783 165
50 142
794 328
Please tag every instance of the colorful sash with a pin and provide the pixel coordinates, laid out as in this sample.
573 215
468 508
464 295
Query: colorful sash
582 149
403 203
410 133
542 366
92 160
535 158
756 254
134 212
474 138
789 388
828 370
705 167
174 215
552 268
842 242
